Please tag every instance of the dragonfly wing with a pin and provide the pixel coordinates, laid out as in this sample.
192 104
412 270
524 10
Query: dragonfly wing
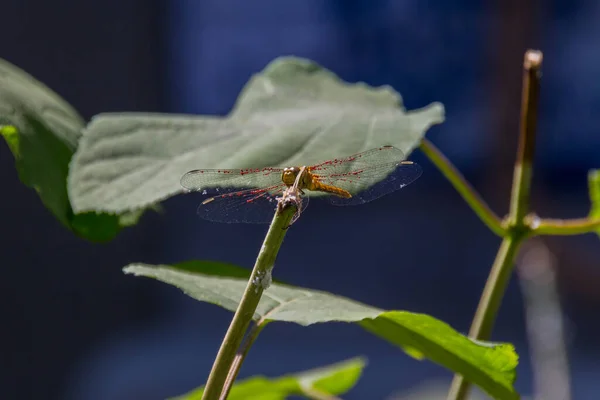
366 160
236 195
367 175
398 178
201 179
255 206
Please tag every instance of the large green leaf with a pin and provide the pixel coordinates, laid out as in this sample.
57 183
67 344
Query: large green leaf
594 190
333 380
294 112
491 366
42 131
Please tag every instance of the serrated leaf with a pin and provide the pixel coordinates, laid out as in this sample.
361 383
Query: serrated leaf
42 132
294 112
333 380
490 366
594 191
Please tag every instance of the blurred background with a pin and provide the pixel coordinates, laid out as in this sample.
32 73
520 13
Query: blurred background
74 327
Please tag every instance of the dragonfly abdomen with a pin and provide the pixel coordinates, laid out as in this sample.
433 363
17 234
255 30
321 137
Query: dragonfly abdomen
323 187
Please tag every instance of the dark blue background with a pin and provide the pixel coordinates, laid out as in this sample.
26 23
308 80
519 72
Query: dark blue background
76 328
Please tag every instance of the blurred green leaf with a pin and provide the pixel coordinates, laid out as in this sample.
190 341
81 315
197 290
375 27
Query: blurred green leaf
594 190
42 131
293 112
489 365
333 380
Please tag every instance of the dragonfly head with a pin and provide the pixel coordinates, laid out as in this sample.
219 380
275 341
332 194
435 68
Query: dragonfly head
288 176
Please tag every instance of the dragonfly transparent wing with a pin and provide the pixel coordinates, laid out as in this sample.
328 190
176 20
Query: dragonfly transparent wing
255 206
204 179
368 175
401 176
236 195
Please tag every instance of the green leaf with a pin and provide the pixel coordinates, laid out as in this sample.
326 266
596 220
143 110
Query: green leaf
491 366
294 112
594 190
42 131
333 380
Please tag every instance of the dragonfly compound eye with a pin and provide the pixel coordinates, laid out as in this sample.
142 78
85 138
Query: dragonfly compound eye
289 175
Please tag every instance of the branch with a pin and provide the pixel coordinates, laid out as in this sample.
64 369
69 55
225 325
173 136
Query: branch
241 356
256 285
518 228
489 304
519 203
468 193
563 226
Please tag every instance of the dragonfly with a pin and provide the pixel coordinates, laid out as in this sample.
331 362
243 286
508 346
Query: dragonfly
250 195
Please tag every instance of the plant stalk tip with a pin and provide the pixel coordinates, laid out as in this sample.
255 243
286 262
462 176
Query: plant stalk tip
533 59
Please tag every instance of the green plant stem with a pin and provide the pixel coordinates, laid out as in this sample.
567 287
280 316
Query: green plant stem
468 193
241 356
489 304
564 226
493 291
247 307
517 226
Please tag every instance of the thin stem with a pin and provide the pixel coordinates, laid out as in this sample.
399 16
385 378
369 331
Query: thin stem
489 304
518 229
495 286
563 226
241 356
258 281
521 189
468 193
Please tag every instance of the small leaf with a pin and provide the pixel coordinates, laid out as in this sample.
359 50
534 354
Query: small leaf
42 131
491 366
333 380
294 112
594 190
